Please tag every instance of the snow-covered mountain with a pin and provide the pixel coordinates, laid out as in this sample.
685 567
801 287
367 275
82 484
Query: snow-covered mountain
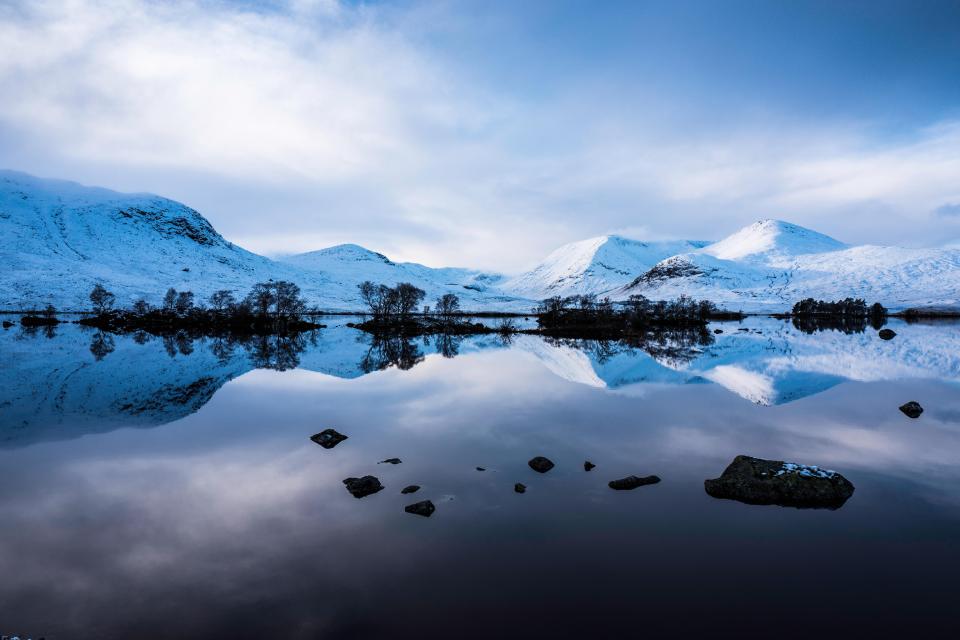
771 264
596 265
342 265
58 239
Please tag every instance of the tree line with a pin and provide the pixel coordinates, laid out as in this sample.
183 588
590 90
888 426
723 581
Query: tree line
637 312
274 303
848 307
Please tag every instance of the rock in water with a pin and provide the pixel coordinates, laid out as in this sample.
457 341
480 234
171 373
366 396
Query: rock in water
887 334
540 464
424 508
413 488
718 331
520 488
7 324
480 469
363 487
391 461
328 438
757 481
588 465
912 409
632 482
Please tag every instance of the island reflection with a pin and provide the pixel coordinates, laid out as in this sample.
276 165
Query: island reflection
68 380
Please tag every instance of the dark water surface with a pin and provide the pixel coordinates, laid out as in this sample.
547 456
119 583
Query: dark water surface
170 489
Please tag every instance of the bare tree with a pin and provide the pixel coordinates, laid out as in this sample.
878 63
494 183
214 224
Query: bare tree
408 298
261 298
170 299
141 307
101 298
287 300
447 305
222 300
184 302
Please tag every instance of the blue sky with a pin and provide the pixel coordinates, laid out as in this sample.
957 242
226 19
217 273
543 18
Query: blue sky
486 133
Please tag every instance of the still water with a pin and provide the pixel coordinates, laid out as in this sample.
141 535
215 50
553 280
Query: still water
169 489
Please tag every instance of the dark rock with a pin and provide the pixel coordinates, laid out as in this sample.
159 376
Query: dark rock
520 488
757 481
7 324
912 409
887 334
424 508
588 465
413 488
480 469
328 438
391 461
363 487
718 330
540 464
632 482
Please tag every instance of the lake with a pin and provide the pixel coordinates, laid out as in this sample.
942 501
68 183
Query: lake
168 488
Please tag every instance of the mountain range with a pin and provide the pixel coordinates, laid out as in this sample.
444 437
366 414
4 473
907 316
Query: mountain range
58 238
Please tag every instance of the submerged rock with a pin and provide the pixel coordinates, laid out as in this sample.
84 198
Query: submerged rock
363 487
632 482
587 465
912 409
540 464
424 508
391 461
887 334
328 438
520 488
413 488
787 484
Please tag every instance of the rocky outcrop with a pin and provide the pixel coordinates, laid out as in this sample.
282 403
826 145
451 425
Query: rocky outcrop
540 464
328 438
912 409
363 487
757 481
424 508
632 482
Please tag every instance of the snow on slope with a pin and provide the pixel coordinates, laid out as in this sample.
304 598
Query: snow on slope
346 265
58 239
596 265
771 264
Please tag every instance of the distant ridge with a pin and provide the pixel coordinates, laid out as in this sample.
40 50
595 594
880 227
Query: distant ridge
58 238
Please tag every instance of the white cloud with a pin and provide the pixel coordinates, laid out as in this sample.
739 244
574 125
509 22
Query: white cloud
311 122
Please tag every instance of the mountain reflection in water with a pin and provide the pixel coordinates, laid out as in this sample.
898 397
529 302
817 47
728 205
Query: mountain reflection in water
68 380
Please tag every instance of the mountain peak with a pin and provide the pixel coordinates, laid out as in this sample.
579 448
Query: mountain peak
772 237
343 252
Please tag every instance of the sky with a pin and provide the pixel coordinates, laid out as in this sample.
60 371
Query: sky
485 133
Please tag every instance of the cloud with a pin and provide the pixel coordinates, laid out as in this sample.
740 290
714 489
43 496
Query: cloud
306 123
948 210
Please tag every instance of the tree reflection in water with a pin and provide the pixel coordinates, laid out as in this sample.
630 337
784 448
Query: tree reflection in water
676 344
391 351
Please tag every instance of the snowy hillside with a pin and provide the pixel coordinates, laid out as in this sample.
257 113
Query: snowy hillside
342 265
596 265
58 239
771 264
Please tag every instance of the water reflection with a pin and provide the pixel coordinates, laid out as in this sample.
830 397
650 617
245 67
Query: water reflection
229 522
69 380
